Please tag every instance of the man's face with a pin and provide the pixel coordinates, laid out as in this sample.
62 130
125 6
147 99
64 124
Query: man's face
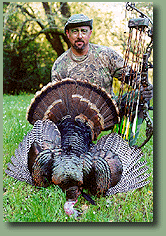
79 37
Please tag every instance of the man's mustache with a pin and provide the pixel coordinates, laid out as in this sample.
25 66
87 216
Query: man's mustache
77 47
78 41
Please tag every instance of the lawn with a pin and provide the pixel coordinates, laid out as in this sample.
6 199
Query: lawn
26 203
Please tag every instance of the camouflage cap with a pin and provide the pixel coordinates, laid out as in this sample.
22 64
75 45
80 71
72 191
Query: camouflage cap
78 20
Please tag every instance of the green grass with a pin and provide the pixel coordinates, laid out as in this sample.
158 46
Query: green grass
25 203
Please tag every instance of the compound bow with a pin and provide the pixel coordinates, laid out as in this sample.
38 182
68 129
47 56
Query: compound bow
138 69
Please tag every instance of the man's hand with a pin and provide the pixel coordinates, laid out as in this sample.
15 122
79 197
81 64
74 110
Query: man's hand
147 92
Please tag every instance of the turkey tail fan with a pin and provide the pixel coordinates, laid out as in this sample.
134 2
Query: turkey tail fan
43 136
74 98
127 171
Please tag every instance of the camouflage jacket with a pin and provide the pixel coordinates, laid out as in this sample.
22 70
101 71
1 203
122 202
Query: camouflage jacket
98 66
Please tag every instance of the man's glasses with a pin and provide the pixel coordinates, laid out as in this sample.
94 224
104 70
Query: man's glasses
76 32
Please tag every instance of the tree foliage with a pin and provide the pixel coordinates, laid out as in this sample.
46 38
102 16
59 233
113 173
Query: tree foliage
33 38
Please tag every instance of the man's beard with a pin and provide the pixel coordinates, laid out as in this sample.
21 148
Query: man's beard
77 47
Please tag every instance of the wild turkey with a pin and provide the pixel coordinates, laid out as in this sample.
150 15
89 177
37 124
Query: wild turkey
67 117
